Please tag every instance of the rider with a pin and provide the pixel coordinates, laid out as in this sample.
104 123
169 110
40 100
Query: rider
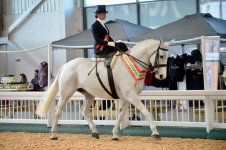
104 44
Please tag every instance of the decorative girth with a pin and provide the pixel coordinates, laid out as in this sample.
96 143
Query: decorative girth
134 70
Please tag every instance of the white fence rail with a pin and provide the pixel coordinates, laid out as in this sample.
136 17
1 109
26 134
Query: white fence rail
169 108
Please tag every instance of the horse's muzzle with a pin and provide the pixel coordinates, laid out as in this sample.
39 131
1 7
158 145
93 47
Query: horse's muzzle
159 76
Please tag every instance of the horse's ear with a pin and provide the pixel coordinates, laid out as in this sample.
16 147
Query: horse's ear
170 42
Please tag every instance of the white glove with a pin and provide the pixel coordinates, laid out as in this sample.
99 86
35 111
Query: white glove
112 44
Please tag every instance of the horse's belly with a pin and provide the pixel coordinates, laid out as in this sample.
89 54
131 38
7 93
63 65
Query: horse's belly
92 85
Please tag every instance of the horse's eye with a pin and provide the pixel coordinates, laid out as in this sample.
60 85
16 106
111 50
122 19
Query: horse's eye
161 56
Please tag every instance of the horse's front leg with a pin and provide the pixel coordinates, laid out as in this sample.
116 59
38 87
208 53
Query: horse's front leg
121 115
85 111
134 99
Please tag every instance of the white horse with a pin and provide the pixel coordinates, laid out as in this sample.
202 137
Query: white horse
73 76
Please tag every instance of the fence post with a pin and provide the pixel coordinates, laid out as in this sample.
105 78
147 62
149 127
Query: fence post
209 115
50 114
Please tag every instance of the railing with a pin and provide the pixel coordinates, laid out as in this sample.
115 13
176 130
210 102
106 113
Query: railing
169 108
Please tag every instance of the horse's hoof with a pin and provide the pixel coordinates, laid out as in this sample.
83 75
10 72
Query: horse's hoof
156 137
54 138
114 139
95 135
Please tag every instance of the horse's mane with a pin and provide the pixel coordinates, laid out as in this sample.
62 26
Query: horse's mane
142 45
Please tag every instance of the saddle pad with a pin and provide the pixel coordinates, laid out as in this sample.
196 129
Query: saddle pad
133 68
98 59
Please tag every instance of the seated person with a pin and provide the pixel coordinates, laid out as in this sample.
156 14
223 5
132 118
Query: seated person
23 80
34 84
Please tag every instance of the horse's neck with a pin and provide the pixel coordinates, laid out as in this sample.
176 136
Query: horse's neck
139 54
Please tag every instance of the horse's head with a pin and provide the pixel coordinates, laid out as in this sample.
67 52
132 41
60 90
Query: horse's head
153 53
158 60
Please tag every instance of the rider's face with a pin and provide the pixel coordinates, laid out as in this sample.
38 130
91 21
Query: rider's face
102 16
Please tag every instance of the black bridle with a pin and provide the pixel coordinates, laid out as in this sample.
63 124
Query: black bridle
156 65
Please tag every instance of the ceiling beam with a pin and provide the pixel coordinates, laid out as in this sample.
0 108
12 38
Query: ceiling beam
19 20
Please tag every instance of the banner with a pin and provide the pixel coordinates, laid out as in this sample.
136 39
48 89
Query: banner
212 59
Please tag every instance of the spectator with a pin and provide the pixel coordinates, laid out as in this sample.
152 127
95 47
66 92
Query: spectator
34 84
23 80
43 75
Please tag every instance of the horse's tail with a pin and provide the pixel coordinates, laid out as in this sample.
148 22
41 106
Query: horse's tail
44 106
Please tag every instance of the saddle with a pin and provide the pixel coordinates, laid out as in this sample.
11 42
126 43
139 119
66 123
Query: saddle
109 61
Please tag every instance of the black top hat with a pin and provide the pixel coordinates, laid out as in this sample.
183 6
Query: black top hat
101 9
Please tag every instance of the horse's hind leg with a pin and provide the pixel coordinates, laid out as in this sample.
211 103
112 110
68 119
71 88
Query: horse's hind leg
58 111
64 96
122 111
85 111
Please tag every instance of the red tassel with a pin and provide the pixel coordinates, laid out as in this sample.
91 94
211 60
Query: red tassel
148 77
